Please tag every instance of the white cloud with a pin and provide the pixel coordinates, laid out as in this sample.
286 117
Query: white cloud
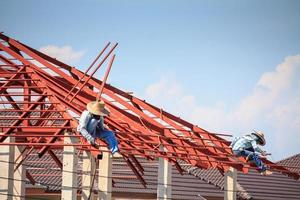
166 87
272 105
65 53
280 79
169 94
271 91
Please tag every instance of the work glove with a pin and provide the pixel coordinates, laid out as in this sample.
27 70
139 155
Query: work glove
96 145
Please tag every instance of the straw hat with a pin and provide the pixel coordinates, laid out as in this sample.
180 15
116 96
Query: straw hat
261 136
97 108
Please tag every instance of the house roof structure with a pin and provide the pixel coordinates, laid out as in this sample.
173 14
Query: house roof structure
209 183
42 99
252 185
194 183
275 186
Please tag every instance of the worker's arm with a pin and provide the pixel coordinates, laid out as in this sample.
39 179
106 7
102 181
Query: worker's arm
256 147
100 124
84 118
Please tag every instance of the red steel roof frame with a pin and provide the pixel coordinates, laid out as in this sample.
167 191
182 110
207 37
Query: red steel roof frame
50 89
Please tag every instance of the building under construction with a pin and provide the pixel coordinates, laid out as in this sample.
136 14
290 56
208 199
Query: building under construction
42 156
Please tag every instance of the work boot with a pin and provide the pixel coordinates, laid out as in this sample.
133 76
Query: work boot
266 173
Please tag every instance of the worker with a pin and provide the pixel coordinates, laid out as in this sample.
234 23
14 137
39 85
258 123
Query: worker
247 147
91 125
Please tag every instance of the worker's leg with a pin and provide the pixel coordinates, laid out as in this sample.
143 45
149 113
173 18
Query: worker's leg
252 157
110 139
259 163
255 158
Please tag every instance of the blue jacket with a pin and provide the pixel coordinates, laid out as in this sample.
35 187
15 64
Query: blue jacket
245 142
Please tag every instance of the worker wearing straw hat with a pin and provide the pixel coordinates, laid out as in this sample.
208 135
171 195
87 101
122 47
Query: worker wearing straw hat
91 125
247 146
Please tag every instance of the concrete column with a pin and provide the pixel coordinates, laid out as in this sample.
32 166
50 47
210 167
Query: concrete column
69 174
7 157
230 184
105 177
19 178
88 168
164 180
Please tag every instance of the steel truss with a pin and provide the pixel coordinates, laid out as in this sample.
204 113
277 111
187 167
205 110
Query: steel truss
41 99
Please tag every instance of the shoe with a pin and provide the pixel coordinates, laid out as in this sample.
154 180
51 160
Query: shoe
95 145
266 173
249 157
115 155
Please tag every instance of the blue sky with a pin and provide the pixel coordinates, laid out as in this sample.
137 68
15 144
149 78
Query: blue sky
215 59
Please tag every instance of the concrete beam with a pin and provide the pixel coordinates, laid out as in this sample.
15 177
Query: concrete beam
69 174
230 184
7 158
88 168
105 177
19 178
164 180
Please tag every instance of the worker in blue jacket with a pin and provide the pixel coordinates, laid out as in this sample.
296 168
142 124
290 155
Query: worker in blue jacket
247 146
91 125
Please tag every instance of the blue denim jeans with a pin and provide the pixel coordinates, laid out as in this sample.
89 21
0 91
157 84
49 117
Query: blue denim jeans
252 157
110 139
102 133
